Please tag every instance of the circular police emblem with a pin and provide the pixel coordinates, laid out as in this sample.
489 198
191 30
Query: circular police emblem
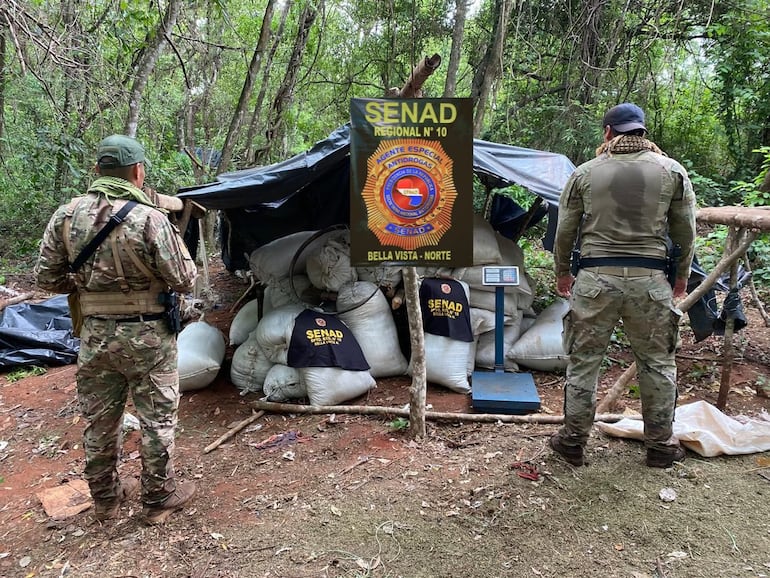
320 321
409 192
446 289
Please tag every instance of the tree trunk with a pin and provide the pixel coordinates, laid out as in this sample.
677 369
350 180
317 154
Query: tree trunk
285 94
461 10
417 392
2 82
146 63
491 65
248 85
255 116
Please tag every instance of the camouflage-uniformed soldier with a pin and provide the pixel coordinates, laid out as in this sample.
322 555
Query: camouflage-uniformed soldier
126 344
621 206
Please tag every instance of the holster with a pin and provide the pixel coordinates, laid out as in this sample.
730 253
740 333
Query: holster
171 311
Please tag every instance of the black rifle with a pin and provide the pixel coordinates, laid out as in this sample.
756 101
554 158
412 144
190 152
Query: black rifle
172 314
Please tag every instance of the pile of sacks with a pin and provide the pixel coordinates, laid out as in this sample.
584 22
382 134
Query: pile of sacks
307 267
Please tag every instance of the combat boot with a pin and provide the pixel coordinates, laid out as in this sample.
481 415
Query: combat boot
182 494
128 488
571 454
657 458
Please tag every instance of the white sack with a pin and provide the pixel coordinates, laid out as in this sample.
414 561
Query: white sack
332 385
274 332
201 351
483 320
384 276
373 327
283 383
447 362
486 300
280 293
541 347
704 429
485 248
271 262
330 267
244 322
485 349
249 366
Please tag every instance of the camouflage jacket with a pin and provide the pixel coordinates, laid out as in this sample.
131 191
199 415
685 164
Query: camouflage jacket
146 230
626 205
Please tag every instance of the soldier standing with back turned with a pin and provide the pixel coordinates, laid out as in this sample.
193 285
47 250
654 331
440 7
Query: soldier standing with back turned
622 208
127 345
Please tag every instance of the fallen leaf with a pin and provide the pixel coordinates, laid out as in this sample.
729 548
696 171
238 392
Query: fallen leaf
763 461
336 511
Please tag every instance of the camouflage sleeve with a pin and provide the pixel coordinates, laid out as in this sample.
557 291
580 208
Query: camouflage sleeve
570 213
681 221
52 268
171 257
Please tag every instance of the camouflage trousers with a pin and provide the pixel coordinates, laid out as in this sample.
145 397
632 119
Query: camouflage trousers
116 359
650 322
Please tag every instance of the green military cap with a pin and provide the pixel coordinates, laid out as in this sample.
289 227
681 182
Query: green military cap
119 151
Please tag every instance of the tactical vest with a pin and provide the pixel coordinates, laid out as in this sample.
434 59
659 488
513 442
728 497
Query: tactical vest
123 302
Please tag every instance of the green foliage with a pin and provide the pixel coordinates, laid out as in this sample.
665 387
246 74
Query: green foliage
709 192
22 372
701 371
399 424
750 191
709 247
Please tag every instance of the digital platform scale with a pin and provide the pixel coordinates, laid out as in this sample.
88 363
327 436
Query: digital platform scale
497 391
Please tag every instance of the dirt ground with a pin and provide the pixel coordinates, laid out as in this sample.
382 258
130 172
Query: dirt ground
354 496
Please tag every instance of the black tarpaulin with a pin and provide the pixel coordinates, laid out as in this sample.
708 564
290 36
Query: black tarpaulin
311 190
37 334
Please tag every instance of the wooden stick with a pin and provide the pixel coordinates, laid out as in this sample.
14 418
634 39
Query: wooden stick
14 300
232 431
753 290
434 415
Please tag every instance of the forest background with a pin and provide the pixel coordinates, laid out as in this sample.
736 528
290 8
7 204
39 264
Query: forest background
219 85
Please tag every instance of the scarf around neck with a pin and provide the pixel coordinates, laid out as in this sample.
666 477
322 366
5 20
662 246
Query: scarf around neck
625 144
116 188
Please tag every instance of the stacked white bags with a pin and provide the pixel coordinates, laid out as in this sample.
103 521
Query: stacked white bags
324 267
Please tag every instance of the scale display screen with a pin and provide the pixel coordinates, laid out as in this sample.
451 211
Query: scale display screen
500 276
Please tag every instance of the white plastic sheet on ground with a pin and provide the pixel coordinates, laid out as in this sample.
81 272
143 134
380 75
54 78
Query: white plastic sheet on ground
704 429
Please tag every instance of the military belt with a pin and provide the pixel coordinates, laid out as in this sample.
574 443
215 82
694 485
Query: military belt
624 271
137 319
624 262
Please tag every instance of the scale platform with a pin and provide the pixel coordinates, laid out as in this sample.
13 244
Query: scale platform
500 392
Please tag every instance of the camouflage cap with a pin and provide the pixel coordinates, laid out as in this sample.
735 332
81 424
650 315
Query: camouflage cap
119 151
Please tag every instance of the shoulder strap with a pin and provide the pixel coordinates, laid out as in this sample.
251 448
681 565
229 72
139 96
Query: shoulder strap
114 221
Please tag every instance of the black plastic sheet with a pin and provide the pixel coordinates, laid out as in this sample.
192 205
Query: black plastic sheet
37 334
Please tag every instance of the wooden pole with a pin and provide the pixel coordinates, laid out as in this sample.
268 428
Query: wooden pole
619 387
727 345
232 431
417 391
434 415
